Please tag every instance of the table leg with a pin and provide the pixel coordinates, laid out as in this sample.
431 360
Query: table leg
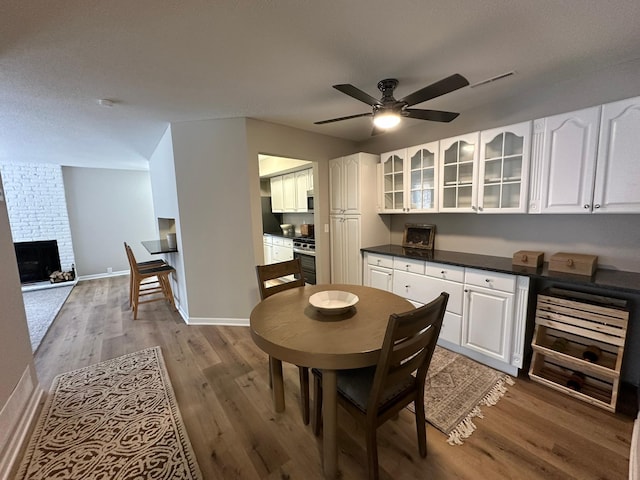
330 423
278 383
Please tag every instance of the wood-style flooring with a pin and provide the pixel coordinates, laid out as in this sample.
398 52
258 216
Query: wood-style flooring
221 383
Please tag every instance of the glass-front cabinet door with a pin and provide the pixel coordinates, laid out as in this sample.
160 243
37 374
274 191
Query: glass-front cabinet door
422 173
393 181
459 173
504 168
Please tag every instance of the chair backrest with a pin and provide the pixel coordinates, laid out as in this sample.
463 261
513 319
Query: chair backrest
267 273
408 346
130 257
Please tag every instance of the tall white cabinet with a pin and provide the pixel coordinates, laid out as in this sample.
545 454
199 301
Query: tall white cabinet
354 221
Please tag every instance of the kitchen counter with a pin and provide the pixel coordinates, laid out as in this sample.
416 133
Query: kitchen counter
155 247
613 280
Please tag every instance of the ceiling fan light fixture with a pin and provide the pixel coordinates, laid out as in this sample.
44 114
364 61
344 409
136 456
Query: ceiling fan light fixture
386 120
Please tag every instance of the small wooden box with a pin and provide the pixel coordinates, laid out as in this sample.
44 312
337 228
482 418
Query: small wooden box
525 258
578 264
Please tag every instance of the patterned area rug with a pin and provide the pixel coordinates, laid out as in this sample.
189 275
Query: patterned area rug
115 420
455 389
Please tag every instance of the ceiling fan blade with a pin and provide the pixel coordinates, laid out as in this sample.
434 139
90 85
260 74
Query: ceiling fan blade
343 118
446 85
356 93
433 115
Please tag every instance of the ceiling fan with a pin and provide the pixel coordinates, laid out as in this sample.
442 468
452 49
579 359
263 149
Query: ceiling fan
388 111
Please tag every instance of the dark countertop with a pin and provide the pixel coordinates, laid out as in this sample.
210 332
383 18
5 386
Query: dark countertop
607 279
158 246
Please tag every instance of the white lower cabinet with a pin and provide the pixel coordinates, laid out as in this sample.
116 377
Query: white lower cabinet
486 312
486 327
282 249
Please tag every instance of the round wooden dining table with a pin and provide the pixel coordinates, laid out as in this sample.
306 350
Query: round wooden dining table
290 329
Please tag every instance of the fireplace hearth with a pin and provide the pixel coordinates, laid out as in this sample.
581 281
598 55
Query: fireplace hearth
37 260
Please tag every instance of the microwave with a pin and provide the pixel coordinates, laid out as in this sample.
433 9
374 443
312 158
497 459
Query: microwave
310 202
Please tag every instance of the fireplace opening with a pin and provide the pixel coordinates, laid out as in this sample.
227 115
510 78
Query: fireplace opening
37 260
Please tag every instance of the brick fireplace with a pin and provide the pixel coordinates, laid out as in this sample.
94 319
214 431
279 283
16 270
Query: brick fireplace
37 209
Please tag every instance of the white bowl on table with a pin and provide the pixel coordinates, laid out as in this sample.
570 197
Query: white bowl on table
333 302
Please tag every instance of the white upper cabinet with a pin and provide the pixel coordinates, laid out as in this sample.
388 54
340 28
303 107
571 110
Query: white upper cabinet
564 152
277 195
422 175
302 185
344 185
617 184
410 179
289 191
503 179
459 173
393 181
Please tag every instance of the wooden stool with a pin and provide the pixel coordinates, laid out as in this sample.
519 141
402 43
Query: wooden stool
149 279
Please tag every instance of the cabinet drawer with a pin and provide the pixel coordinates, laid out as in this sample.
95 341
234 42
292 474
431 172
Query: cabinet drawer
277 240
445 272
380 260
408 265
287 242
451 328
420 288
491 280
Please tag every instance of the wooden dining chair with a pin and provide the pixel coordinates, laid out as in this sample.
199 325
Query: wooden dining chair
374 394
274 278
149 282
140 265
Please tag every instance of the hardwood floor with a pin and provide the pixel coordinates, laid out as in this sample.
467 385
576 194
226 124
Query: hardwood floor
221 382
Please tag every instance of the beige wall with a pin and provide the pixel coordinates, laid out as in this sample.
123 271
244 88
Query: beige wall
106 208
15 347
215 164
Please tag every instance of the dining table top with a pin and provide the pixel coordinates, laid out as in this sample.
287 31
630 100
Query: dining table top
288 327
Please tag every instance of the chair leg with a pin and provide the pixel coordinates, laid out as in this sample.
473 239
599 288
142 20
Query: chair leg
421 426
304 393
136 298
372 451
317 405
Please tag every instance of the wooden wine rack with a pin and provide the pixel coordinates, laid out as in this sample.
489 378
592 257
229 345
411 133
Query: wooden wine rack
567 323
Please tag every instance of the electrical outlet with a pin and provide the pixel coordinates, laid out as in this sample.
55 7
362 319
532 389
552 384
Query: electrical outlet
1 195
109 270
326 228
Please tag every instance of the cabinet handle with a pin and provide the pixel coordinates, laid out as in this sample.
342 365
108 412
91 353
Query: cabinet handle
443 272
473 208
480 208
466 290
586 206
487 280
597 205
378 261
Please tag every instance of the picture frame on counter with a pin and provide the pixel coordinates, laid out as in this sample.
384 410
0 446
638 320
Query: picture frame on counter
419 235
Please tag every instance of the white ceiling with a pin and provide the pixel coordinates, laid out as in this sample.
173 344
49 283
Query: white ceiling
165 61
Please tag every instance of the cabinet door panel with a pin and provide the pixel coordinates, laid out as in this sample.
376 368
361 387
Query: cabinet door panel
277 199
617 188
568 158
451 328
351 184
337 251
487 322
302 185
336 204
380 277
289 192
353 257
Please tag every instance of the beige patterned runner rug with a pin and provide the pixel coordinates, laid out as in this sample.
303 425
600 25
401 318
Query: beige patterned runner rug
115 420
455 389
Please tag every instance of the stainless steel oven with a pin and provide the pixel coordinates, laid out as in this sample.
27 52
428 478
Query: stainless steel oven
304 248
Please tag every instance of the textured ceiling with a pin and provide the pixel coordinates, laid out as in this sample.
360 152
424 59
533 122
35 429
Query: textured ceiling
164 61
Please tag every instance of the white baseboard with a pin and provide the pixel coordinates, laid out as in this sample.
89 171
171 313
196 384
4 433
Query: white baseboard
231 322
16 420
103 275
